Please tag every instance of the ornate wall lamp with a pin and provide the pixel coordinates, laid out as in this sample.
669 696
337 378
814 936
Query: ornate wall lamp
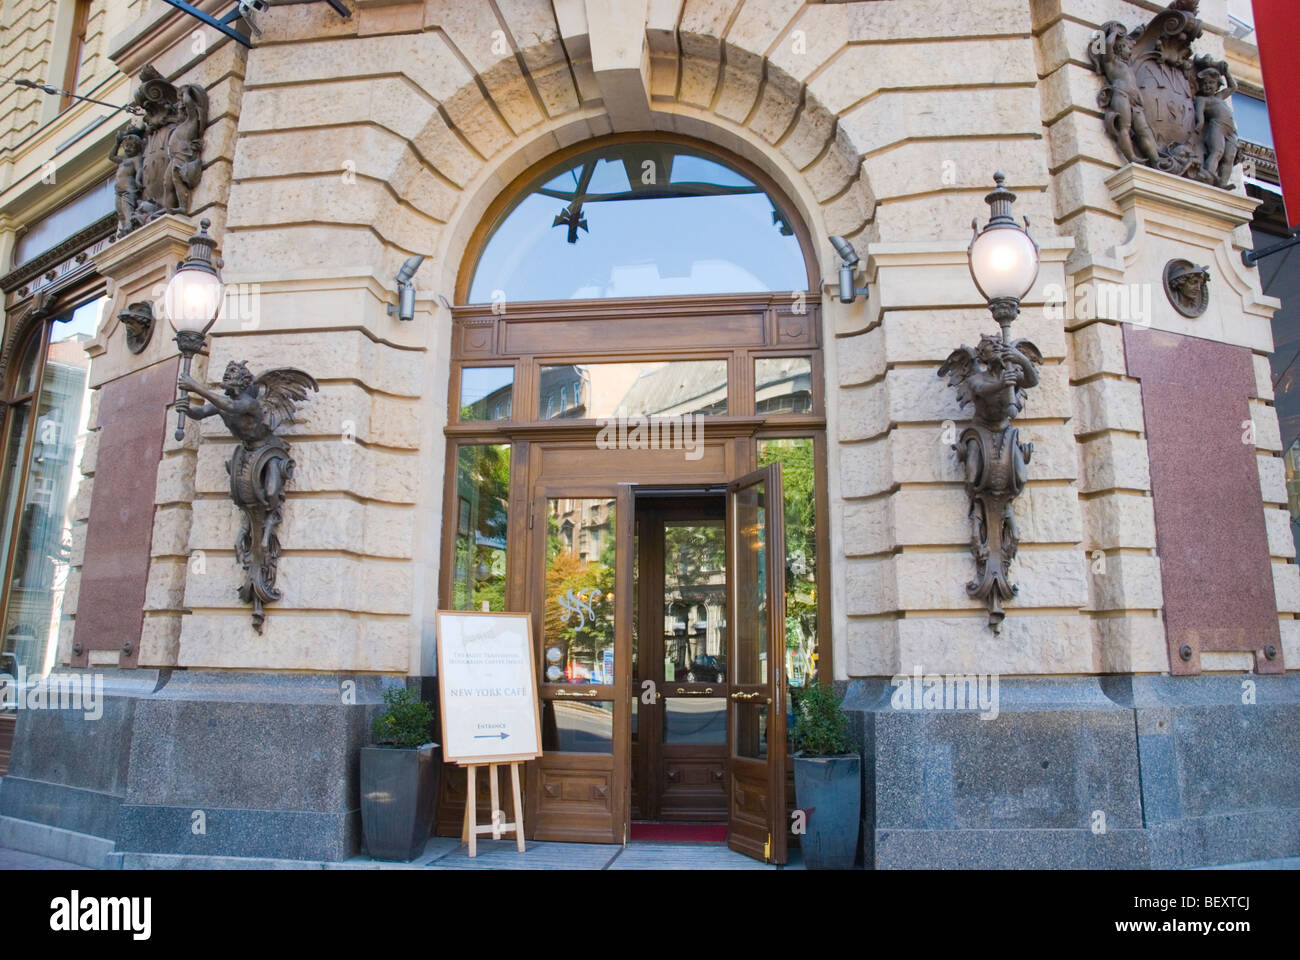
192 301
993 379
253 410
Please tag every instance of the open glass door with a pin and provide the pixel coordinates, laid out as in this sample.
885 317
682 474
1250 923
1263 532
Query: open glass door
756 705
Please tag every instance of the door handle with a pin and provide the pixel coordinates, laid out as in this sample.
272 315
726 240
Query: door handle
749 696
694 693
574 693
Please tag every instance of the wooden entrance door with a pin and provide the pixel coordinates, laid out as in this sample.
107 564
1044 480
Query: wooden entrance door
580 543
756 628
680 758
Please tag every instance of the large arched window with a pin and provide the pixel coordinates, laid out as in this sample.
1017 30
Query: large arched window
638 219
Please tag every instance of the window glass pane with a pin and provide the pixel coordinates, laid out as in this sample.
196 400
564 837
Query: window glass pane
1252 119
578 623
639 220
751 558
15 443
65 221
751 730
486 393
30 365
701 720
799 492
783 385
482 515
572 726
695 601
655 388
42 559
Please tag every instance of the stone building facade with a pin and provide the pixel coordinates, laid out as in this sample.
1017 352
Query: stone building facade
1156 569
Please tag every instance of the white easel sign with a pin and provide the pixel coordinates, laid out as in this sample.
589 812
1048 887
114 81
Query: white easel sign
488 686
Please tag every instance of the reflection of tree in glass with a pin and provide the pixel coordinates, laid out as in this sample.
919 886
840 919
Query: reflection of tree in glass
483 484
694 589
798 486
582 636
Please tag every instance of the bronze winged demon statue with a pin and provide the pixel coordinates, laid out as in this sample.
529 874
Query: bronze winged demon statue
993 378
253 409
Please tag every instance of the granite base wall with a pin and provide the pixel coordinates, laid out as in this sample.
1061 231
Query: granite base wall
1185 771
1086 773
202 763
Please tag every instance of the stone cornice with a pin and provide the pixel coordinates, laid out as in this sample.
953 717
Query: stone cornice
160 29
1163 196
52 258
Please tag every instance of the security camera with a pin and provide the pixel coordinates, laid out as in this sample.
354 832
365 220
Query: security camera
849 259
405 307
251 12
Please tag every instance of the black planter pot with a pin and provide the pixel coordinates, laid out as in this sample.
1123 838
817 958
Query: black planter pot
398 789
829 790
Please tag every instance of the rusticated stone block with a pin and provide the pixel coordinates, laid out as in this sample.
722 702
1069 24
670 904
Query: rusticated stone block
319 642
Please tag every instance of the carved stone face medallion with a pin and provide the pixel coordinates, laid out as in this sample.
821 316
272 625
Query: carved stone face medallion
137 320
1187 287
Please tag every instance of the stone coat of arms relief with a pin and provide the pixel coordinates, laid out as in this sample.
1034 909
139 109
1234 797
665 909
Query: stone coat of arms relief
1164 106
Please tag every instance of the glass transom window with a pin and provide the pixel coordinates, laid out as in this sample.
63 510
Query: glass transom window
645 219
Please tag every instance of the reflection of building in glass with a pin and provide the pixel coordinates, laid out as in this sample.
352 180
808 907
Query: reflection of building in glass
43 550
496 405
783 385
695 601
674 389
563 392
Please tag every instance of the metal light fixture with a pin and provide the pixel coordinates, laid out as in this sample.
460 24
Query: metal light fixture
1003 257
993 378
849 259
405 308
191 302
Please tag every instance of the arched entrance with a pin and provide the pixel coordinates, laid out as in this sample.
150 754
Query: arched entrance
636 384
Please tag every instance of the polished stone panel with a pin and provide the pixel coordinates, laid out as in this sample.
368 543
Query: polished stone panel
1110 772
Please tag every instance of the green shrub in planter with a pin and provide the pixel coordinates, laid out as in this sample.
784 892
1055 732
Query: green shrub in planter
827 779
404 723
821 728
399 779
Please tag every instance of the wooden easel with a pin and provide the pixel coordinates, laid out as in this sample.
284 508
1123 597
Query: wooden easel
470 830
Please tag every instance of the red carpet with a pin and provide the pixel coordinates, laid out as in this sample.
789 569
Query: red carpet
679 832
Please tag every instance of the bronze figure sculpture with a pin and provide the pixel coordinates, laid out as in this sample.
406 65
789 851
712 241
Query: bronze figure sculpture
993 378
159 161
253 409
1164 106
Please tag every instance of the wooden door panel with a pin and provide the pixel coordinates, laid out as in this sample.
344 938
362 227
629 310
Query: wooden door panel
750 821
694 783
578 799
7 725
